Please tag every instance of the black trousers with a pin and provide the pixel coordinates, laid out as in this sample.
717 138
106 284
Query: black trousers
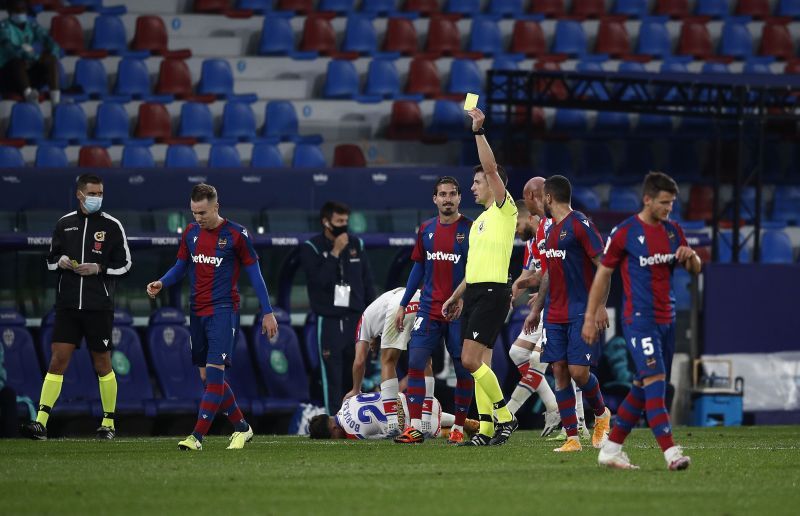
336 346
18 74
8 412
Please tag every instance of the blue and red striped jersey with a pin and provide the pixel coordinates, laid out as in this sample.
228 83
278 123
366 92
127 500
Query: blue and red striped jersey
215 261
442 249
646 254
569 248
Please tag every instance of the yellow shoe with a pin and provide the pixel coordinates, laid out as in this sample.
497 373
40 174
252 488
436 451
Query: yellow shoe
570 445
239 438
190 443
601 426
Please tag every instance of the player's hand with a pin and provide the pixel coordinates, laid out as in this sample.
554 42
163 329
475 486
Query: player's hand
601 319
353 392
65 263
477 118
269 325
454 310
684 253
531 322
88 269
339 244
30 52
153 288
515 291
532 299
373 347
589 332
399 318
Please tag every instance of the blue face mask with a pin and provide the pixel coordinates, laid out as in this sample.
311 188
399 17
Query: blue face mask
92 204
19 18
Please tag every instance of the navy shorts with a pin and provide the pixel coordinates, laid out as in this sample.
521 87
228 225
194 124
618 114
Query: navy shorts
563 341
652 346
213 338
428 333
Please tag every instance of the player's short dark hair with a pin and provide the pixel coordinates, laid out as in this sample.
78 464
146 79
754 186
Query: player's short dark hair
446 180
656 182
202 192
331 207
318 427
559 187
85 179
521 208
500 171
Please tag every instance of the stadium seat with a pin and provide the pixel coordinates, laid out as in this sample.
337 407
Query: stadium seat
11 157
788 8
786 204
318 36
211 6
281 366
378 7
91 78
137 156
238 122
673 8
133 81
585 199
423 7
465 7
266 155
549 8
776 41
588 8
632 8
725 248
701 203
612 38
624 199
298 6
50 156
736 41
448 119
280 121
307 155
109 35
401 36
348 155
216 78
695 40
70 124
528 38
423 78
169 344
181 156
382 79
68 33
277 37
360 35
174 78
223 155
94 157
654 39
150 35
134 394
242 378
153 122
485 37
112 123
26 122
465 77
341 81
756 8
507 8
196 122
21 364
405 122
570 39
776 247
572 121
713 8
79 386
443 38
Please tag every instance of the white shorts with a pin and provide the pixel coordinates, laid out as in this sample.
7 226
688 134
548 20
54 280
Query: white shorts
534 337
378 320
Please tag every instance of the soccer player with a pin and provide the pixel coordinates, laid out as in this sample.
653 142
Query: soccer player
572 247
439 257
378 322
485 289
646 247
363 417
213 250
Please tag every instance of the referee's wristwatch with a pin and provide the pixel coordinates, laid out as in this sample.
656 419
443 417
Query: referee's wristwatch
479 132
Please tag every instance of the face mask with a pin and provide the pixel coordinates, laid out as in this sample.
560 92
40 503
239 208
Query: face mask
92 204
19 18
337 230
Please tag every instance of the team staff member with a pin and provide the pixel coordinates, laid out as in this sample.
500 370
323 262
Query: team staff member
339 289
89 251
487 295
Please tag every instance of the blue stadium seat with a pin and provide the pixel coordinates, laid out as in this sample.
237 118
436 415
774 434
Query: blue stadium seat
242 378
280 121
311 348
70 124
485 37
196 122
788 8
505 62
786 204
736 41
50 156
216 78
277 36
109 34
654 39
337 6
384 81
342 82
448 119
168 341
266 155
591 89
624 199
112 123
26 122
223 155
508 8
307 155
91 78
383 7
360 35
713 8
776 247
259 6
10 157
21 364
465 7
569 39
238 122
465 77
634 8
725 251
281 366
681 280
137 156
181 156
570 121
134 392
133 80
585 199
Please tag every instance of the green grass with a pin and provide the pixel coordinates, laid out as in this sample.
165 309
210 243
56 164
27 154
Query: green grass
748 470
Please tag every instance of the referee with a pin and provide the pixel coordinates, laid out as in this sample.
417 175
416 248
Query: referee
89 251
486 292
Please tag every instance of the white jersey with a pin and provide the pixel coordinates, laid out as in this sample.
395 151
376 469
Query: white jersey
378 320
364 417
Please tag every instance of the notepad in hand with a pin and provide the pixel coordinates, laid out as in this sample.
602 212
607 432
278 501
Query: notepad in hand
471 102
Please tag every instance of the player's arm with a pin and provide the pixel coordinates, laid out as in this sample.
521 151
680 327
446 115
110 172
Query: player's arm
451 309
527 279
175 274
119 262
537 303
56 259
359 367
598 296
486 157
414 279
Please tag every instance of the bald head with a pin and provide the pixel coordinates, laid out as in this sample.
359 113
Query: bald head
533 194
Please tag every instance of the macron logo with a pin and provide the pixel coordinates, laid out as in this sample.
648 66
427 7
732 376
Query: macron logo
656 259
212 260
556 253
439 256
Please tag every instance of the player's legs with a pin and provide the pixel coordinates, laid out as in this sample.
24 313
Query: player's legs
465 384
330 341
520 355
580 357
390 387
97 327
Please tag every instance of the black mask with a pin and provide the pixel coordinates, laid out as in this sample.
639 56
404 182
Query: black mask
337 230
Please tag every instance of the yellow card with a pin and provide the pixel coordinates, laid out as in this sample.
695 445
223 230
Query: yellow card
471 102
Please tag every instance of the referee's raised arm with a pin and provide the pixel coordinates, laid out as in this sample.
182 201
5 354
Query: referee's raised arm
486 157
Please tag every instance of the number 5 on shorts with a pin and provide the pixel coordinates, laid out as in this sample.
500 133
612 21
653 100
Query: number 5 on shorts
647 345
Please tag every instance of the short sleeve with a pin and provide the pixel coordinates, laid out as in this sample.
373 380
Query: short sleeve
508 209
681 236
418 253
615 248
244 249
589 237
183 249
528 257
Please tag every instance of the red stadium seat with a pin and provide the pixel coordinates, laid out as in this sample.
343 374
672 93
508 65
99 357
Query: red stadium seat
443 37
528 38
423 78
348 155
423 7
588 8
695 41
151 35
298 6
776 41
405 122
174 78
701 203
612 38
401 36
154 122
318 36
68 33
94 157
754 8
792 66
673 8
211 6
551 8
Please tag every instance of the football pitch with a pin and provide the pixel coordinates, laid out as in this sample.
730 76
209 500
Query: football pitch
747 470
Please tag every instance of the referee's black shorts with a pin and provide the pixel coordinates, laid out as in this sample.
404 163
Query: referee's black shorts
74 325
486 306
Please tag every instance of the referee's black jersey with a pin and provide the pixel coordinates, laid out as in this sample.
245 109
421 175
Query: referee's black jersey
96 238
